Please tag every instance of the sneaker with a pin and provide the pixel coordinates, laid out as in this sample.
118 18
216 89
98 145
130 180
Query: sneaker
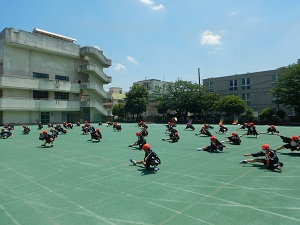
155 168
132 161
243 161
279 169
129 145
88 140
199 149
43 145
222 141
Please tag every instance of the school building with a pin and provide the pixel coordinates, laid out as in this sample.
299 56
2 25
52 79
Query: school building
46 77
254 88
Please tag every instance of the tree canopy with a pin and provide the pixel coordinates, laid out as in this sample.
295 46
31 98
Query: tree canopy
137 100
287 89
231 105
118 110
180 96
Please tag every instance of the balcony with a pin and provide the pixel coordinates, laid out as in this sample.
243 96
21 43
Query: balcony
38 84
95 70
28 104
95 52
94 87
95 104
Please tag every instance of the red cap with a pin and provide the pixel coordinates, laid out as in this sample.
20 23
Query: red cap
295 138
265 147
212 138
146 147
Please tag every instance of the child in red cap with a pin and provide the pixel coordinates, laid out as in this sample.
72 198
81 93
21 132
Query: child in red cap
150 159
234 139
270 160
140 141
215 145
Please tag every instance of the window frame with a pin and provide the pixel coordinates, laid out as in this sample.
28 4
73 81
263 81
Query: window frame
233 85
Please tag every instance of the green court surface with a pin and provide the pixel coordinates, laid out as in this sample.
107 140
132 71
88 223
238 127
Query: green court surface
80 183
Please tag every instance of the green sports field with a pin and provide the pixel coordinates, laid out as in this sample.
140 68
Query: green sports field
79 183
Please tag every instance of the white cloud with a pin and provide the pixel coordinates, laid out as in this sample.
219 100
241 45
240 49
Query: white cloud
151 3
119 67
132 60
209 38
158 7
147 2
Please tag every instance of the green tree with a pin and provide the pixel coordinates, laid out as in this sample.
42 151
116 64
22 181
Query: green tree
184 97
161 97
288 86
248 115
280 113
118 110
267 114
180 96
210 98
136 100
232 105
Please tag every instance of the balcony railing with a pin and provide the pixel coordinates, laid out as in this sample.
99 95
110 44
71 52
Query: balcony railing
89 50
18 82
95 104
93 69
93 86
22 104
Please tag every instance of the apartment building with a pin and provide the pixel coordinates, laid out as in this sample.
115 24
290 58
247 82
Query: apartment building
151 84
253 88
116 97
47 77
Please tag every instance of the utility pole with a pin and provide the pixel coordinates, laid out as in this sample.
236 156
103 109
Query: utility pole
199 76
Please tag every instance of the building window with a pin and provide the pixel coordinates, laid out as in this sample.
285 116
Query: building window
233 85
61 95
64 78
246 83
40 94
274 80
210 86
40 75
246 98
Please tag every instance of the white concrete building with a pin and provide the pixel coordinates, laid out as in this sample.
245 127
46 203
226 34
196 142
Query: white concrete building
46 77
151 84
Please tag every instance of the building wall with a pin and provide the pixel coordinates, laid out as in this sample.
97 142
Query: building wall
257 94
151 84
23 53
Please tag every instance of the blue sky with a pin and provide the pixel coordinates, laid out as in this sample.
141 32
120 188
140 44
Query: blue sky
170 39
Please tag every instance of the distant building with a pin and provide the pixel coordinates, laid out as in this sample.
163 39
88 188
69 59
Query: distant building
46 77
151 114
116 97
151 84
253 88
